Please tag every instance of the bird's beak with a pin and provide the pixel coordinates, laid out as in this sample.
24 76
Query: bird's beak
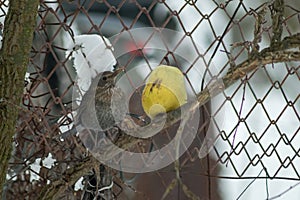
117 72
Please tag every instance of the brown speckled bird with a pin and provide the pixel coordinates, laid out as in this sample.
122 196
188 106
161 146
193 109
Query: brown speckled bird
102 106
103 101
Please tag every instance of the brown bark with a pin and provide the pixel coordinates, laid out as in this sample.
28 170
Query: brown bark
14 57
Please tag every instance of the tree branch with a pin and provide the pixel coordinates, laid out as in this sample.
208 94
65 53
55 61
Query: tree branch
59 186
266 56
14 56
283 51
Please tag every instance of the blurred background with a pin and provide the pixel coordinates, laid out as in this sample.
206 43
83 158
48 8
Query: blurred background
255 122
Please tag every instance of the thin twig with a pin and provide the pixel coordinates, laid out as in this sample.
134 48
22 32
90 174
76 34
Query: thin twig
249 185
284 192
239 114
189 194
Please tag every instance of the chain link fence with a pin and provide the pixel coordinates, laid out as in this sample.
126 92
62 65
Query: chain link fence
248 130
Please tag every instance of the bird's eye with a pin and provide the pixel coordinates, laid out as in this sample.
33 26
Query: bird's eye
102 81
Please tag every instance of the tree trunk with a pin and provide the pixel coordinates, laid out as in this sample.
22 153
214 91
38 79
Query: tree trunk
14 57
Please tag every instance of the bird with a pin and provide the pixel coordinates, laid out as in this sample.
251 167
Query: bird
164 91
109 100
101 107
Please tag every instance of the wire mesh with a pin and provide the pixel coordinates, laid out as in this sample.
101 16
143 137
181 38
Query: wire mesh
255 120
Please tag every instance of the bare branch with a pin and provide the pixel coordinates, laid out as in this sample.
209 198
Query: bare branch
18 33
